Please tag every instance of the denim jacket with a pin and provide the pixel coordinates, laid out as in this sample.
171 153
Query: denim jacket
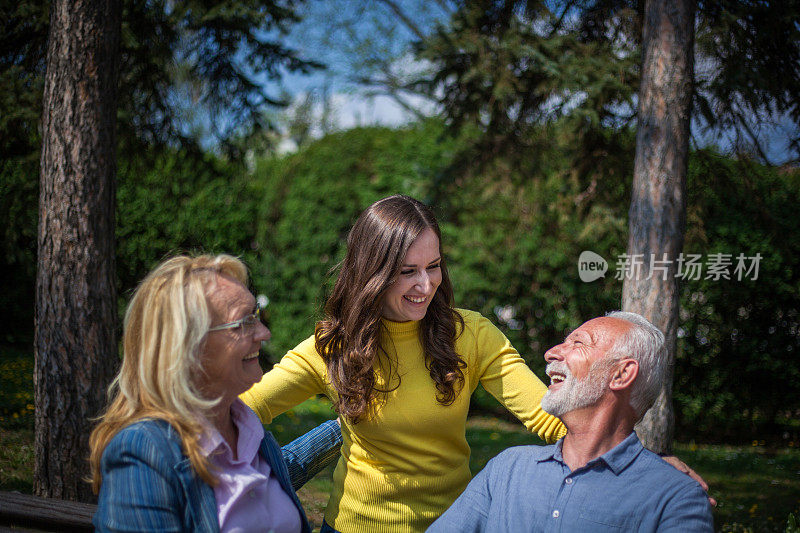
149 484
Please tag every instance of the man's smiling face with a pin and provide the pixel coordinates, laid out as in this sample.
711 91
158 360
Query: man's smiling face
577 367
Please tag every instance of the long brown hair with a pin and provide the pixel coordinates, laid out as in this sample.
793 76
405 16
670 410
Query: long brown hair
348 339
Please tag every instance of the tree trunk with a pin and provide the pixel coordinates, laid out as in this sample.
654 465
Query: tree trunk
75 339
657 214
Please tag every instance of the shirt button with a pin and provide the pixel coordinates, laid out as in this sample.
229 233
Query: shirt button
568 481
252 495
555 513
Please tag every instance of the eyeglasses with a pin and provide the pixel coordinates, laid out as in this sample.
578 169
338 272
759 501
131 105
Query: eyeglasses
248 323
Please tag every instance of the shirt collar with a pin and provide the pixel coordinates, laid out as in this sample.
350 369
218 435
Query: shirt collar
617 458
620 456
251 432
552 453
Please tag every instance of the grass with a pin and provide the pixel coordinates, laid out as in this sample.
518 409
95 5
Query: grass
16 388
756 487
16 460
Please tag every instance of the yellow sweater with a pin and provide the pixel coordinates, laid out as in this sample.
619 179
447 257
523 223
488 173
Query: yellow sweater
408 462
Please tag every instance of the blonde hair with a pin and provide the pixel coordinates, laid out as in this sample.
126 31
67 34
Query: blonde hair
165 326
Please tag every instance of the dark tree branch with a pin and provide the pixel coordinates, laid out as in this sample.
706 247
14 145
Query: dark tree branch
391 4
557 25
445 7
755 142
396 96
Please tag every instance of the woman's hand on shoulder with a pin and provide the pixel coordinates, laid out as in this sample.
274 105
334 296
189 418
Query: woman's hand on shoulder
686 469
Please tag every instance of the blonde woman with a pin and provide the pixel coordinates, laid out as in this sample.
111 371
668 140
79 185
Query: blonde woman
177 450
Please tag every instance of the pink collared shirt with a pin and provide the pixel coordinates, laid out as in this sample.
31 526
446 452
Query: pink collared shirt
249 497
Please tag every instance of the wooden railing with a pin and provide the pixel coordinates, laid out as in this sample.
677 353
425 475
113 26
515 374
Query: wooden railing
44 514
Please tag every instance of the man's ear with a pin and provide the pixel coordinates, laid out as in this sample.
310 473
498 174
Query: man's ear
625 374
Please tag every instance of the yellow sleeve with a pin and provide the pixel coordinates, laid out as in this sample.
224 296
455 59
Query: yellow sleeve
297 377
504 374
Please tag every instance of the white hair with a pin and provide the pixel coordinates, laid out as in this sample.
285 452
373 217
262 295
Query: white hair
645 343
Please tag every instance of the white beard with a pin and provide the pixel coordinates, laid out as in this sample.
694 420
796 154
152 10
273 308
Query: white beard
576 393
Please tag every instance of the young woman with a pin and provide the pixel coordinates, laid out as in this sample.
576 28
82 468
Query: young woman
400 363
177 450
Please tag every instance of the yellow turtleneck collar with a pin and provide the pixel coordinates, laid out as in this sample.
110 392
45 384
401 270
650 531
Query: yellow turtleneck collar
396 329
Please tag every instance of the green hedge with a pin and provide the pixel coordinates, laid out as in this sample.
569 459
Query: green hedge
512 239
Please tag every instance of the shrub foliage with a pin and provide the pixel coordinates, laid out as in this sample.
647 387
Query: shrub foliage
512 236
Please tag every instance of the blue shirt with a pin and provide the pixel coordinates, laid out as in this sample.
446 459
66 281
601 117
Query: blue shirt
530 488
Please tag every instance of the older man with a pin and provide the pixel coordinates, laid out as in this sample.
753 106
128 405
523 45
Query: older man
604 376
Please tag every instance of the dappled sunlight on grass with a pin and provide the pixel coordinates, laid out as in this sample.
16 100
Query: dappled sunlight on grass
489 436
756 487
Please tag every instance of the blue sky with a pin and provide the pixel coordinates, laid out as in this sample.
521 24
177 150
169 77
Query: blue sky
341 33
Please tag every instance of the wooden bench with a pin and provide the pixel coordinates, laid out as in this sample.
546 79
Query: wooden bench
43 514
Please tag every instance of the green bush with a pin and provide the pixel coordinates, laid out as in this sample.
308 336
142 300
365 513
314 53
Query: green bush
512 240
18 210
736 372
310 200
512 237
173 202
